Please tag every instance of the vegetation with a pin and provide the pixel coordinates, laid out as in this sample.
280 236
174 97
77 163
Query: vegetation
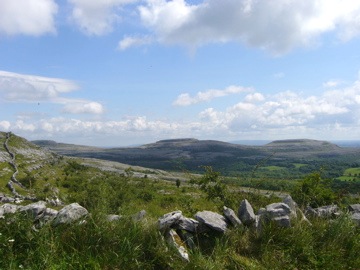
126 244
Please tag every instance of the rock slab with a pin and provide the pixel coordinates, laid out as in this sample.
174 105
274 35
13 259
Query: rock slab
246 213
213 220
69 214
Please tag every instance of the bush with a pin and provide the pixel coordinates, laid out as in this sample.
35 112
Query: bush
313 191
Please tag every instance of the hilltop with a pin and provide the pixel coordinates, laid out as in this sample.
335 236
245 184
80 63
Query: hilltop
190 153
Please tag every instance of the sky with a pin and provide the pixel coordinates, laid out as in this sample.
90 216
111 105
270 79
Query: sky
127 72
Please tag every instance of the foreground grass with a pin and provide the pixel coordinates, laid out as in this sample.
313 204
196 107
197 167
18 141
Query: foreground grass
98 244
125 244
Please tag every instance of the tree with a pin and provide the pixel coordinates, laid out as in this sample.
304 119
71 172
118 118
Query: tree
313 191
212 184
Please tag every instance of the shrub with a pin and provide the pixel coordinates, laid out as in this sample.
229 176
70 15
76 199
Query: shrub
313 191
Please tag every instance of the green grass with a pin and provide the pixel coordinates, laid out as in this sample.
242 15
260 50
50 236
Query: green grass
350 174
273 168
299 165
126 244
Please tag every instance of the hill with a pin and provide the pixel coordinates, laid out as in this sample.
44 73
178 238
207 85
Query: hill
29 170
192 153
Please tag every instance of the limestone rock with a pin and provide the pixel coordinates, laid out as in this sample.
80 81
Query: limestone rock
328 211
112 218
174 239
188 238
187 224
260 218
9 208
354 208
69 214
232 217
48 215
277 210
139 216
246 213
356 218
34 209
283 221
213 220
167 220
292 204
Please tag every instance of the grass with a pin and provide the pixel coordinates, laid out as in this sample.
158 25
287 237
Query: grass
350 174
273 168
299 165
98 244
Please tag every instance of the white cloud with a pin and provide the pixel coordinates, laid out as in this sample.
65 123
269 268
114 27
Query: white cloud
133 41
277 26
289 109
22 87
332 114
185 99
331 83
5 125
28 17
15 87
83 107
96 17
255 97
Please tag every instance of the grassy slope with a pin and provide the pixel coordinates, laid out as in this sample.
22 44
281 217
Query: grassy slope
98 244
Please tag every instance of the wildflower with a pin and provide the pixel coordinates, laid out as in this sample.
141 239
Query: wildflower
12 240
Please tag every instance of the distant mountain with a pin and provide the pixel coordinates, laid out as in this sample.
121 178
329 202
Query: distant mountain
191 153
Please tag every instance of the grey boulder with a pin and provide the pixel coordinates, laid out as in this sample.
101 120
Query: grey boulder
354 208
232 217
69 214
34 209
246 213
212 220
167 220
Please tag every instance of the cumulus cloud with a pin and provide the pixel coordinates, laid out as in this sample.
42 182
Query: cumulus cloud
277 26
27 17
185 99
289 110
5 125
332 114
133 41
83 107
331 83
96 17
15 87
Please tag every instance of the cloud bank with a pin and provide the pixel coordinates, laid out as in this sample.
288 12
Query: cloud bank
15 87
185 99
276 26
334 114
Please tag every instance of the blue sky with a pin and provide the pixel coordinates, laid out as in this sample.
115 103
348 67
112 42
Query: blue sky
124 72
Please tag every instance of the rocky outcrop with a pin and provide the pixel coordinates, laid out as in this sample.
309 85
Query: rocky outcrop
231 217
212 220
183 232
354 210
279 213
13 179
246 213
327 211
69 214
